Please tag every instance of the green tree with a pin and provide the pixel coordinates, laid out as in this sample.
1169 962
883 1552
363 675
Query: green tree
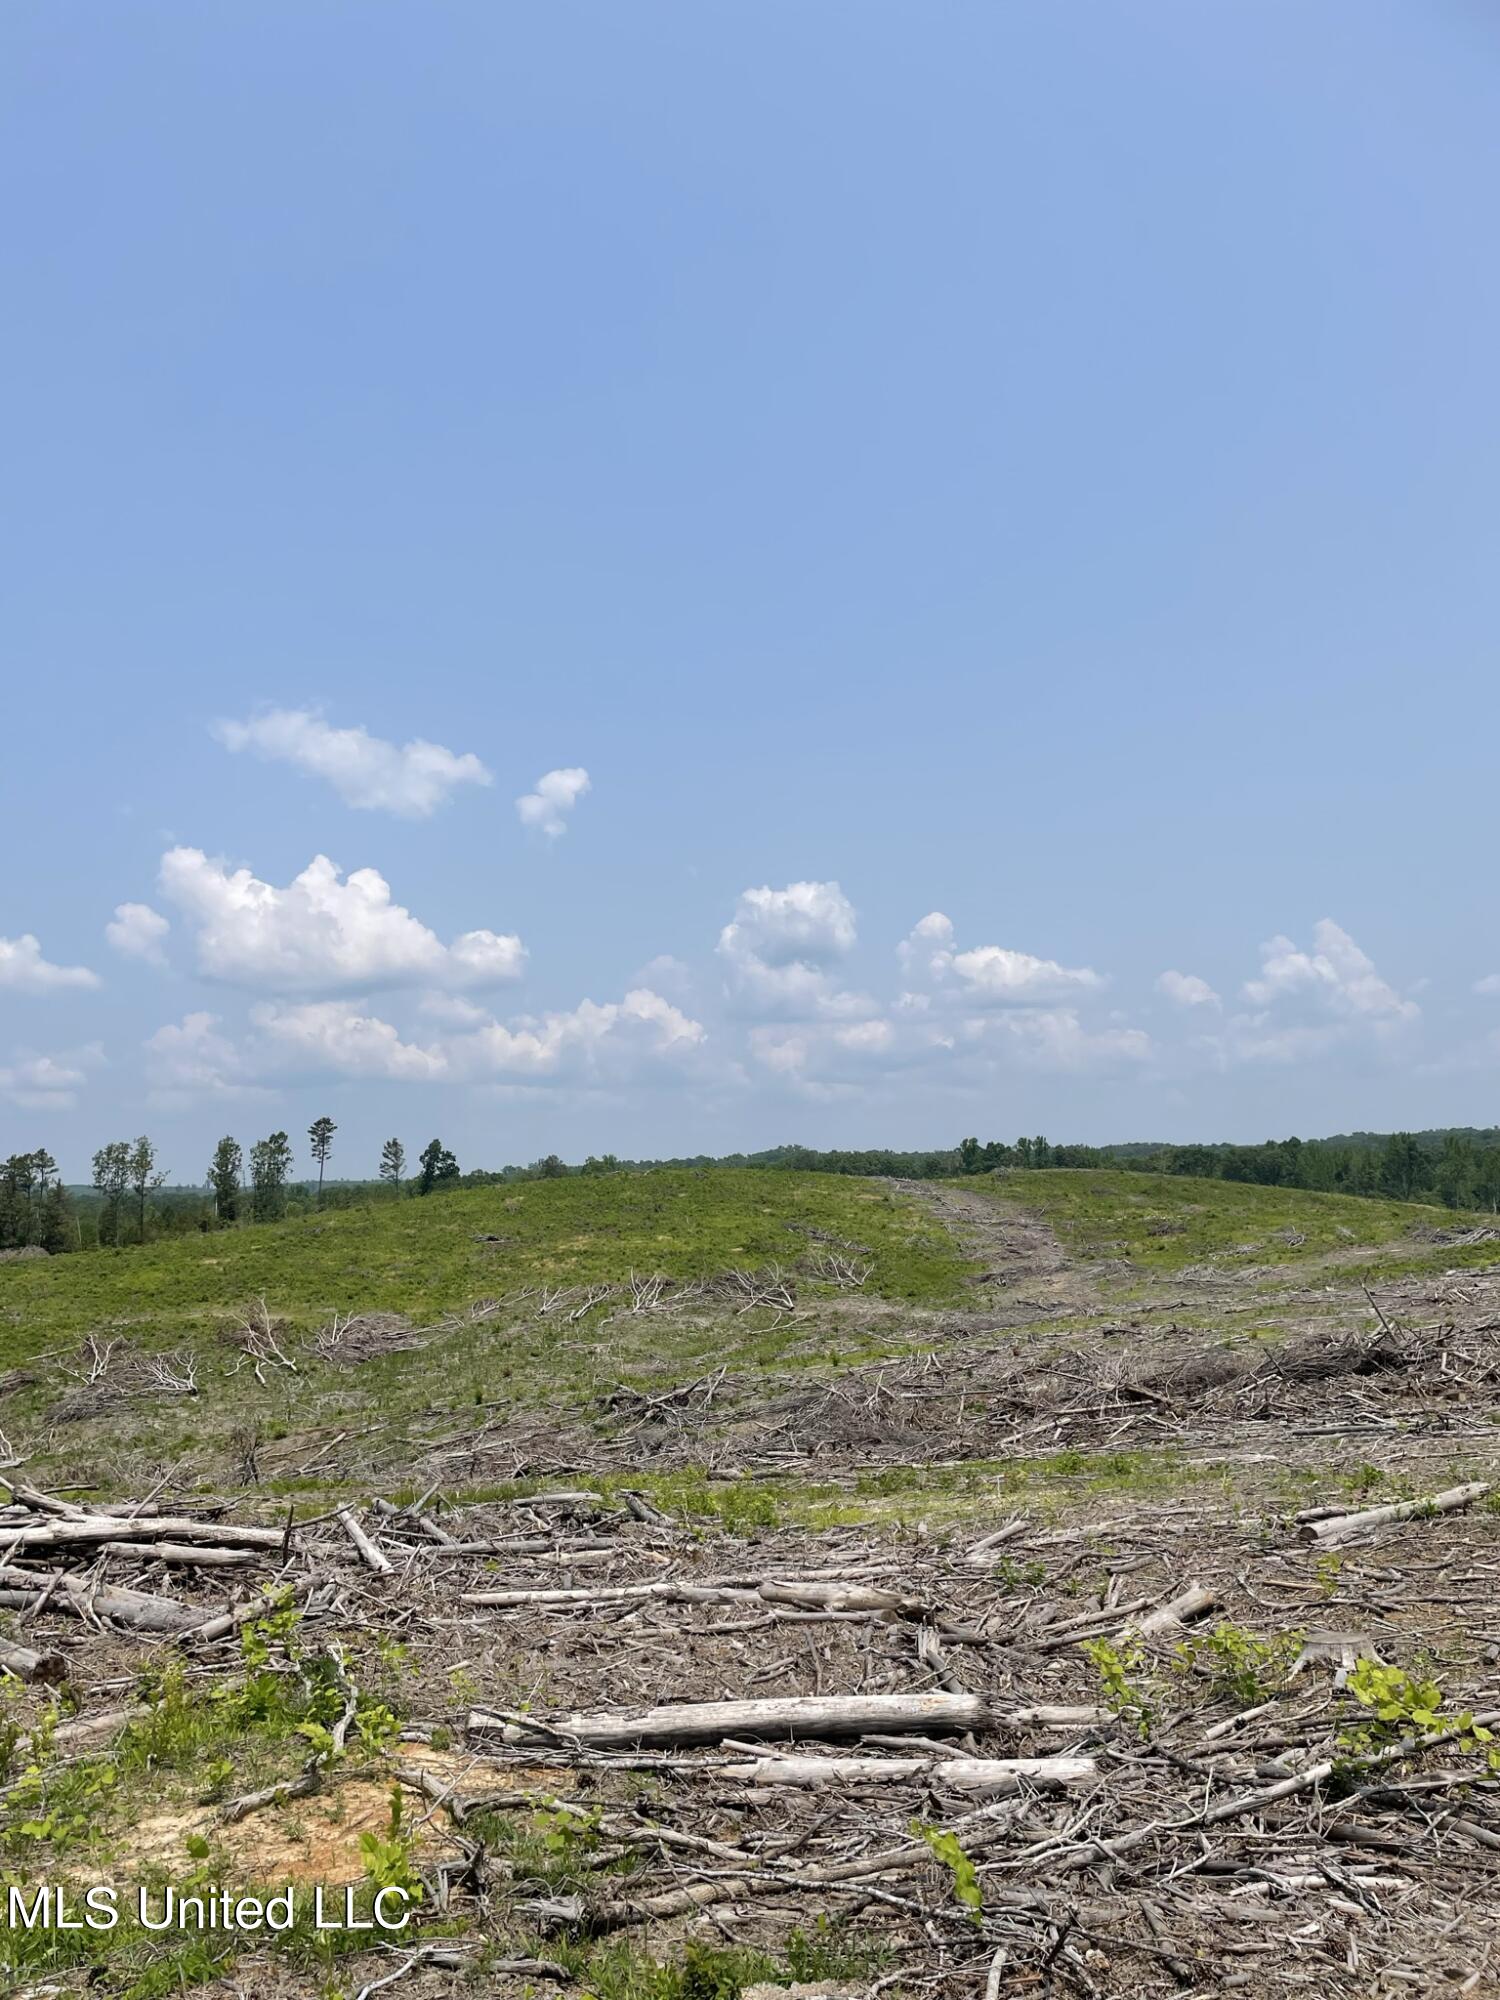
144 1177
393 1164
1403 1167
968 1156
437 1164
59 1226
320 1138
111 1179
270 1164
224 1173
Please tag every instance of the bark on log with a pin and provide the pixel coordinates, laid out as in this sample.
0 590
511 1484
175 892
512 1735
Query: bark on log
813 1717
91 1528
26 1665
623 1593
133 1608
1190 1603
1341 1527
991 1775
180 1552
372 1557
225 1624
42 1503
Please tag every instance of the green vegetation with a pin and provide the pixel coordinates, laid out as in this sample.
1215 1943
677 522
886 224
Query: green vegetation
1163 1224
427 1258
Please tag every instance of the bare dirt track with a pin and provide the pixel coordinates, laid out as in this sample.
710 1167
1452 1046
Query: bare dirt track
1089 1549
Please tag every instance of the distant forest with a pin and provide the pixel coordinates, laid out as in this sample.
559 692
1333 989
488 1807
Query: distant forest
131 1201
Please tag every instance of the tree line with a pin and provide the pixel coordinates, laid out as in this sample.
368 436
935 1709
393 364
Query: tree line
129 1200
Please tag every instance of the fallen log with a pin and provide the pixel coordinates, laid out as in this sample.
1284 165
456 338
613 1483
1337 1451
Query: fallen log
621 1593
369 1554
135 1609
1188 1604
1342 1527
180 1552
991 1775
92 1528
48 1668
810 1717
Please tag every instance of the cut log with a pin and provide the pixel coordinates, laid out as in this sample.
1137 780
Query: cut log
980 1552
179 1552
134 1609
26 1665
1190 1603
225 1624
372 1557
845 1597
810 1717
71 1533
991 1775
1343 1527
39 1502
622 1593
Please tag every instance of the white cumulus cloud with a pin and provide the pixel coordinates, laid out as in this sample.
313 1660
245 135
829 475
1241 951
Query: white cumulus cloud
411 780
337 1037
782 946
192 1057
996 977
567 1043
137 930
322 932
989 975
1187 989
1335 975
1491 985
24 970
48 1083
556 794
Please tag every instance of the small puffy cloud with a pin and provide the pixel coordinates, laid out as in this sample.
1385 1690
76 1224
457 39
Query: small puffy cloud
24 970
194 1058
411 780
929 945
137 930
806 923
48 1083
1488 986
866 1038
643 1023
1336 975
1186 989
781 946
992 976
556 794
322 933
338 1038
1055 1038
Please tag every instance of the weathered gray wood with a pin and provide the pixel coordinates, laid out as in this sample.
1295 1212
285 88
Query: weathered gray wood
809 1717
372 1557
135 1609
1343 1527
992 1775
28 1665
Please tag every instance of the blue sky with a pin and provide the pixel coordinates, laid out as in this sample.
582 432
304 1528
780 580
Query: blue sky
1026 472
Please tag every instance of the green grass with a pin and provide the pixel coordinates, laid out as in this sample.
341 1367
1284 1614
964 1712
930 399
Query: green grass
1162 1223
424 1258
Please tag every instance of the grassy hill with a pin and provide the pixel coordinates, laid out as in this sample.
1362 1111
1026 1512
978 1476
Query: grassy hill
427 1258
1162 1223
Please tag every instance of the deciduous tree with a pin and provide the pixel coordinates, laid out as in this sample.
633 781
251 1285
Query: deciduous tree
224 1174
270 1164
